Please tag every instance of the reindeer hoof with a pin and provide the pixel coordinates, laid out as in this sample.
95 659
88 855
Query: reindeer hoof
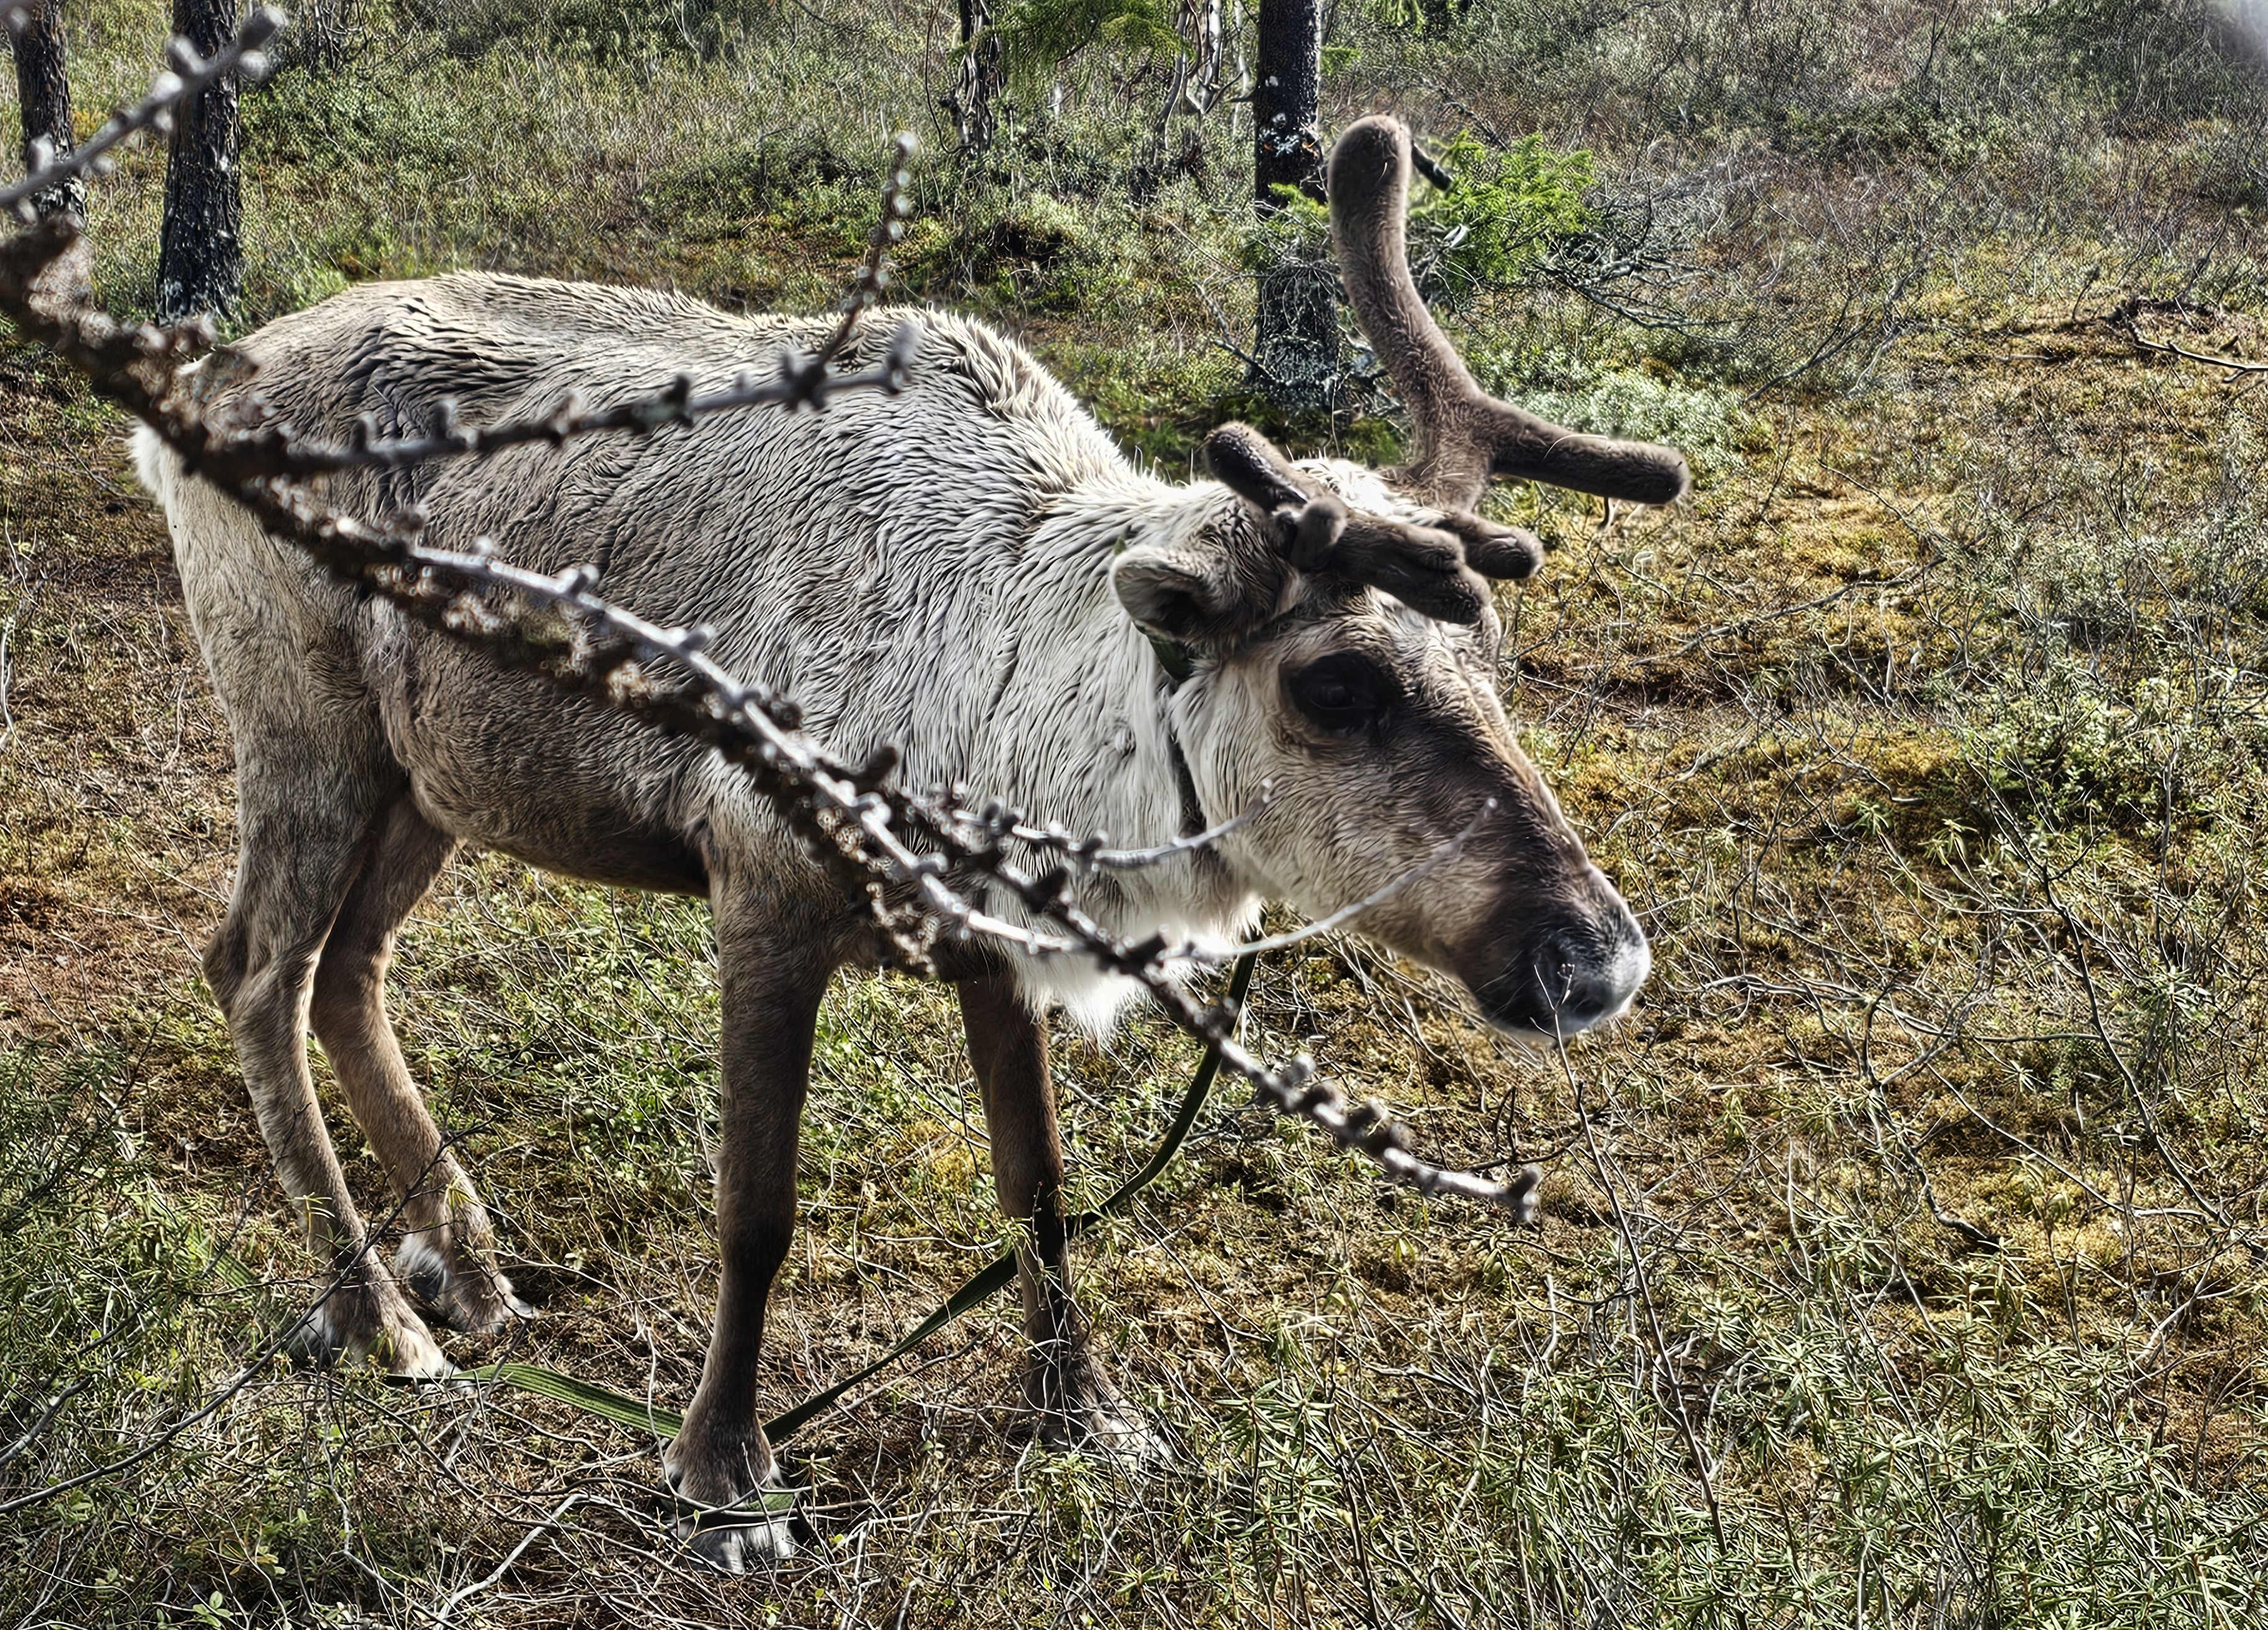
408 1351
723 1513
481 1306
356 1328
468 1296
1116 1434
730 1545
1082 1413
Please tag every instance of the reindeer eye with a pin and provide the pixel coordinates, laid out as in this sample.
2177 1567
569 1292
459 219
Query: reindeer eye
1342 693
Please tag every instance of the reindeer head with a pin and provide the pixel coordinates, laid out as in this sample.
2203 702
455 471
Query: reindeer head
1344 648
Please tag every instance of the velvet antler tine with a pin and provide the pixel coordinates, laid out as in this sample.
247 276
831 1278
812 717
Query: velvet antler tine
1464 435
1524 448
1369 189
1424 567
1248 464
1492 550
1308 518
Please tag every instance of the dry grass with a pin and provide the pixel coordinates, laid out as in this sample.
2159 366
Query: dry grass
1903 1256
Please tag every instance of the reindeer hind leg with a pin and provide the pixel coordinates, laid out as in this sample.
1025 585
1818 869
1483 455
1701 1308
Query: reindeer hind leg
305 822
447 1255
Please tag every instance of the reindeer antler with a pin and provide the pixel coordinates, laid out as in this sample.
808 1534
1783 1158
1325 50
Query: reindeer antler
1464 435
1424 567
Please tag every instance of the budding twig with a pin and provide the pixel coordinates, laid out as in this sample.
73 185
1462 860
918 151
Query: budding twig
188 75
798 382
998 821
889 230
914 858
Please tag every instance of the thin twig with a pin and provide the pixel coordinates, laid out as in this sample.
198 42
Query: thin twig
2237 366
1449 850
1090 851
189 74
911 859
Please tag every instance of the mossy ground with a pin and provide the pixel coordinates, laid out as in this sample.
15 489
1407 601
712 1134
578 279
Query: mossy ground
1902 1253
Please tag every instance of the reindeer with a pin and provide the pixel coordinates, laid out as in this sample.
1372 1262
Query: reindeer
969 573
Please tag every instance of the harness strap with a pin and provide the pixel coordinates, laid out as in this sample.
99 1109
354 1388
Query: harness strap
1175 658
1177 662
639 1415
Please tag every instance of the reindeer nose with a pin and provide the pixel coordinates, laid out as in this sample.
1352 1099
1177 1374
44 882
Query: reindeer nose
1590 989
1575 975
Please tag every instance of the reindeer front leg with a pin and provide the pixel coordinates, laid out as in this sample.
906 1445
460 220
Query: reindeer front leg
771 995
1008 1047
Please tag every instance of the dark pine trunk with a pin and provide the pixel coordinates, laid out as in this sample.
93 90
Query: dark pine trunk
200 250
43 94
1287 85
1297 343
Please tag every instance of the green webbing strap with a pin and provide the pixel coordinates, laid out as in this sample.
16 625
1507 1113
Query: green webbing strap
997 1273
642 1417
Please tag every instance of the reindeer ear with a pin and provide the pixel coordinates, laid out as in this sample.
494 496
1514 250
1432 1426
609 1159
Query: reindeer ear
1208 589
1170 594
1164 596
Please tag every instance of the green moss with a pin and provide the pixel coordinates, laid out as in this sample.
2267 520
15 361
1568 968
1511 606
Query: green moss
1925 738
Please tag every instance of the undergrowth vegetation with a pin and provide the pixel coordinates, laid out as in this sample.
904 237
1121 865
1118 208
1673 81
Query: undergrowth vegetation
1902 1259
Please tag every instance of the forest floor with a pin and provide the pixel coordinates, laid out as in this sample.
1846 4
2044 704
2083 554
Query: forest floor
1903 1257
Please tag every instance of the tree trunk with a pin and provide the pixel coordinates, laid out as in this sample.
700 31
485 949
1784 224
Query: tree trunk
1297 345
200 249
1287 85
975 100
1296 349
1194 87
43 94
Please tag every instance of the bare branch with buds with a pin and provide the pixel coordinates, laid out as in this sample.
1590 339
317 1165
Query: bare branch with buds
925 864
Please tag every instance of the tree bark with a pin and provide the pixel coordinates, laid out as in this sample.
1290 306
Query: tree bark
43 95
1296 347
200 249
1287 87
975 100
1205 31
